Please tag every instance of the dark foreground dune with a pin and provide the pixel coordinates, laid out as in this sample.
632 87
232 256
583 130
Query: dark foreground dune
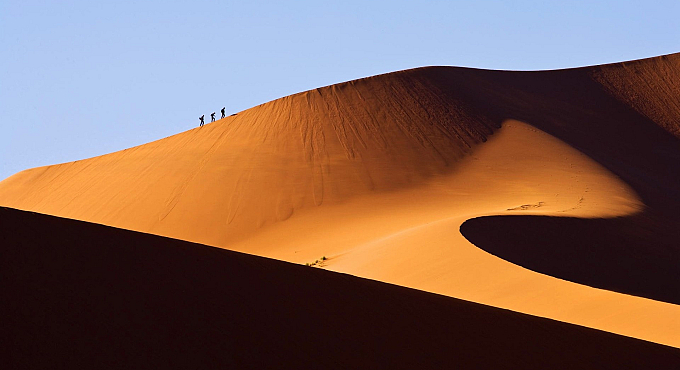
81 295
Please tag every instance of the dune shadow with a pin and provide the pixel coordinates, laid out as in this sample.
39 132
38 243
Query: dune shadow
82 295
635 255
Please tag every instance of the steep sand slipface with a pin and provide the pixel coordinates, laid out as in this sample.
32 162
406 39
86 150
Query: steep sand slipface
378 174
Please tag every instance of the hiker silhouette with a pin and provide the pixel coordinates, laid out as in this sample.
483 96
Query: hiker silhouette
223 112
202 122
212 117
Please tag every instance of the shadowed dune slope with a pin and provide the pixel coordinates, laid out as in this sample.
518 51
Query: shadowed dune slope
81 295
650 86
636 254
597 111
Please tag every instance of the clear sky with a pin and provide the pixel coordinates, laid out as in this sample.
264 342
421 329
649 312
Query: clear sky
84 78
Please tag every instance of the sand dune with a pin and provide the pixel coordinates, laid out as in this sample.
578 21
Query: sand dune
226 180
379 174
91 296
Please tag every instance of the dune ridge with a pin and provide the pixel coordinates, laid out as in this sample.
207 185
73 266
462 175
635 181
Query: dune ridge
313 147
379 174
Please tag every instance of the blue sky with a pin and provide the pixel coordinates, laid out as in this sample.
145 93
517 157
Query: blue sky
84 78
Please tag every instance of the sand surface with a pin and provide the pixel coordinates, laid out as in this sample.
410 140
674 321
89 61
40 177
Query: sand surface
378 175
91 296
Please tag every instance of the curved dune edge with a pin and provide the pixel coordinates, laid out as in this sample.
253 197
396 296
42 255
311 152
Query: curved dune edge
412 238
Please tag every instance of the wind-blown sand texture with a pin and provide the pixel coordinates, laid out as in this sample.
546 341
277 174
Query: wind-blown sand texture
81 295
565 181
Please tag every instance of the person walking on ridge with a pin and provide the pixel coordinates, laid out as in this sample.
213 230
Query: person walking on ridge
212 117
223 112
201 119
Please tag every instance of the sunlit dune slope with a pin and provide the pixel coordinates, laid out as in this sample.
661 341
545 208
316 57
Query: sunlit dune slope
221 182
81 295
379 174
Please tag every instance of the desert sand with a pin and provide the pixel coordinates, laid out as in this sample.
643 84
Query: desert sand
89 296
550 193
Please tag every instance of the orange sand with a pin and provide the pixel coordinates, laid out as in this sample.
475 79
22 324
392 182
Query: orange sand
378 175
